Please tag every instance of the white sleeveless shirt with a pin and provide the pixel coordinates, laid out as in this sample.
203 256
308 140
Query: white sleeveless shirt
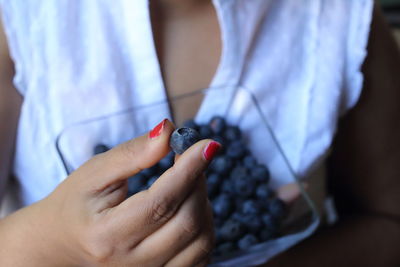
76 60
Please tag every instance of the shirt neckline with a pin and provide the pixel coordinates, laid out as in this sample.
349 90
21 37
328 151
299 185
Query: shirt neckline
222 70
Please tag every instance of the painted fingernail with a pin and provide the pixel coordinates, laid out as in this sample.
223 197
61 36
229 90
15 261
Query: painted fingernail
211 149
158 129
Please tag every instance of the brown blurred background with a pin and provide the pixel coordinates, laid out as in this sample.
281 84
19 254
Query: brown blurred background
391 10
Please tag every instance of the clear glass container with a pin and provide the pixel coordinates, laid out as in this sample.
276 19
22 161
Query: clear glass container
239 107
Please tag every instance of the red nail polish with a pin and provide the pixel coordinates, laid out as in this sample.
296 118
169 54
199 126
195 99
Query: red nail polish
211 149
157 130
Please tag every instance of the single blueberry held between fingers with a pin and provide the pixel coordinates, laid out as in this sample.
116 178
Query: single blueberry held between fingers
182 138
247 241
191 124
100 148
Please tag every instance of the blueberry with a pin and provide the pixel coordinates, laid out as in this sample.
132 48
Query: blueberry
266 235
249 162
217 223
239 173
227 187
225 248
213 182
260 173
252 222
251 207
244 187
232 133
277 208
182 138
217 124
166 162
269 222
151 181
191 124
205 131
231 230
150 171
247 241
238 201
100 148
221 165
263 192
136 183
236 150
222 206
237 216
214 178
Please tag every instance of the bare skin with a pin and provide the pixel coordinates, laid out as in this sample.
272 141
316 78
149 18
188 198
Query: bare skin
180 33
364 166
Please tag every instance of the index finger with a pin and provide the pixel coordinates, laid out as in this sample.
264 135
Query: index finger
157 205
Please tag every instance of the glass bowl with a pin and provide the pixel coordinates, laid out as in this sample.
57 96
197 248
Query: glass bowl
239 107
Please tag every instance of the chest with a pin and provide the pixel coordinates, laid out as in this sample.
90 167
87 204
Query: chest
188 46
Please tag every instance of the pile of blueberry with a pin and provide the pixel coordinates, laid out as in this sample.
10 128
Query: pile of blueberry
246 210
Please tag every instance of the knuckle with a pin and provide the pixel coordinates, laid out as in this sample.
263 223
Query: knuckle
97 247
191 226
206 245
161 211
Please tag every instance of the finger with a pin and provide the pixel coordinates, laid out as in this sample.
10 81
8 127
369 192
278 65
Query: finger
204 263
128 158
198 251
150 209
178 232
110 197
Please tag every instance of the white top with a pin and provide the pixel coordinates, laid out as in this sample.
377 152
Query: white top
78 60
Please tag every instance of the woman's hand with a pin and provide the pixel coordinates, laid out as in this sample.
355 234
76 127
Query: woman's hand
87 220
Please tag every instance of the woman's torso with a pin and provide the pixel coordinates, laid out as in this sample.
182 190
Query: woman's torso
78 60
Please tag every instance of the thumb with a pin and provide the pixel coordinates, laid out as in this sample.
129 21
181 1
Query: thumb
128 158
